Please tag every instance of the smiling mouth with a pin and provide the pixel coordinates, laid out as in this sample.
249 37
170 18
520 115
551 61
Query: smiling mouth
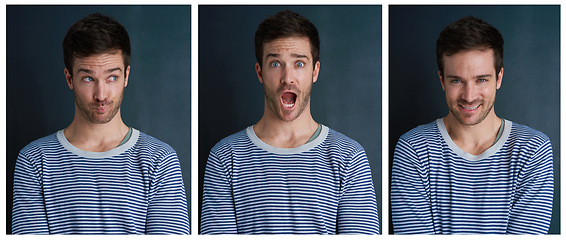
288 99
470 107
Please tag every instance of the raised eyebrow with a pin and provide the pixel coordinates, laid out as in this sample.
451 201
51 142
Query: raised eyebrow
114 69
299 55
84 70
296 55
108 71
275 55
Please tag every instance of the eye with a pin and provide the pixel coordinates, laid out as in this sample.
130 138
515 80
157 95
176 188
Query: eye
482 80
113 78
300 64
87 79
456 81
275 64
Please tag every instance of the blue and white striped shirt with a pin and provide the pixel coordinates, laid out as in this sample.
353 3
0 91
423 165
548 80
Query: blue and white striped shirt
437 188
136 188
321 187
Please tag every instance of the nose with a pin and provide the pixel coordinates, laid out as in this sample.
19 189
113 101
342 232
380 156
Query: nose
469 92
99 91
287 75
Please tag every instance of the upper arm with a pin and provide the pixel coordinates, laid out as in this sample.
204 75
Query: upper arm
28 212
531 209
218 210
168 213
410 201
357 210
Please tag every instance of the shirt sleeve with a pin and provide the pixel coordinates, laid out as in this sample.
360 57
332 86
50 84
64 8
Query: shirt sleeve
357 209
410 201
28 212
167 212
531 209
218 211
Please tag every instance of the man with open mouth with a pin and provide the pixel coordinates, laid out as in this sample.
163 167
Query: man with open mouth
471 172
288 173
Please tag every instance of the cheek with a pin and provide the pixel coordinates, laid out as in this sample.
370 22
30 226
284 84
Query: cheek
271 76
81 89
115 90
451 92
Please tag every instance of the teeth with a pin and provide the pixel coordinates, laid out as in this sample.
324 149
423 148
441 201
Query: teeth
288 105
470 108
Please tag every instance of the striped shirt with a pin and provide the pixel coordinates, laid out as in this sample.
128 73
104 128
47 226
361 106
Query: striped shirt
437 188
321 187
135 188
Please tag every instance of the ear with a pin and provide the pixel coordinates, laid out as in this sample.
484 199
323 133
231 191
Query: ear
258 72
441 79
499 78
69 78
315 71
127 76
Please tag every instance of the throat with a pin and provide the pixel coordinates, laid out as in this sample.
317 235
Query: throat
288 137
477 140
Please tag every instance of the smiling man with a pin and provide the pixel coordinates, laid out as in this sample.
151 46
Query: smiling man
471 172
288 173
98 175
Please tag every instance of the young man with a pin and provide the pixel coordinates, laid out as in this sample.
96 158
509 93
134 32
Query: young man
471 172
288 173
98 175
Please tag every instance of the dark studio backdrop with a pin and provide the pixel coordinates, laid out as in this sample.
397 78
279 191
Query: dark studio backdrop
39 102
529 94
346 97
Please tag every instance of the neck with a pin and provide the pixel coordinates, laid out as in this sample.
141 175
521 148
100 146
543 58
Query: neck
278 133
474 139
92 137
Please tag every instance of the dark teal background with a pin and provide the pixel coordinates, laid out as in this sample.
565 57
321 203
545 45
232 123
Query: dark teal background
39 102
530 91
346 97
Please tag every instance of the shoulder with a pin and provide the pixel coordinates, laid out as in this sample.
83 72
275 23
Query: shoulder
40 145
342 144
528 138
231 142
525 132
341 139
421 133
153 146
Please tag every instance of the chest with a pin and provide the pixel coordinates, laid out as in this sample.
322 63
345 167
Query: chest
283 181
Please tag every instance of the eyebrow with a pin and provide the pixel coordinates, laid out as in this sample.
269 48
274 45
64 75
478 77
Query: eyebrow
478 76
296 55
107 71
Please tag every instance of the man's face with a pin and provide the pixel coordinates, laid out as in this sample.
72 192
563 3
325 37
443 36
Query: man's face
470 82
287 76
98 83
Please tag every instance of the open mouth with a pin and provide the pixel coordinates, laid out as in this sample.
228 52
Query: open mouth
288 99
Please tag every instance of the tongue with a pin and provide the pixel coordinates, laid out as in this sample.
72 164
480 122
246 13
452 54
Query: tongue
288 97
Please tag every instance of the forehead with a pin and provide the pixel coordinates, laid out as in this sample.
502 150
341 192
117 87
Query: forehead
476 60
290 45
100 60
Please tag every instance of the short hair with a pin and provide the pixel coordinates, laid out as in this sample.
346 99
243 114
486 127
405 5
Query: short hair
466 34
285 24
95 33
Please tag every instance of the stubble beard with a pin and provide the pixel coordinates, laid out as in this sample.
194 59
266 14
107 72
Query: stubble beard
91 116
454 110
274 101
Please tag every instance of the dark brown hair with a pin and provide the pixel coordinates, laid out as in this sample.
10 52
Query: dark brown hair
95 33
286 24
466 34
